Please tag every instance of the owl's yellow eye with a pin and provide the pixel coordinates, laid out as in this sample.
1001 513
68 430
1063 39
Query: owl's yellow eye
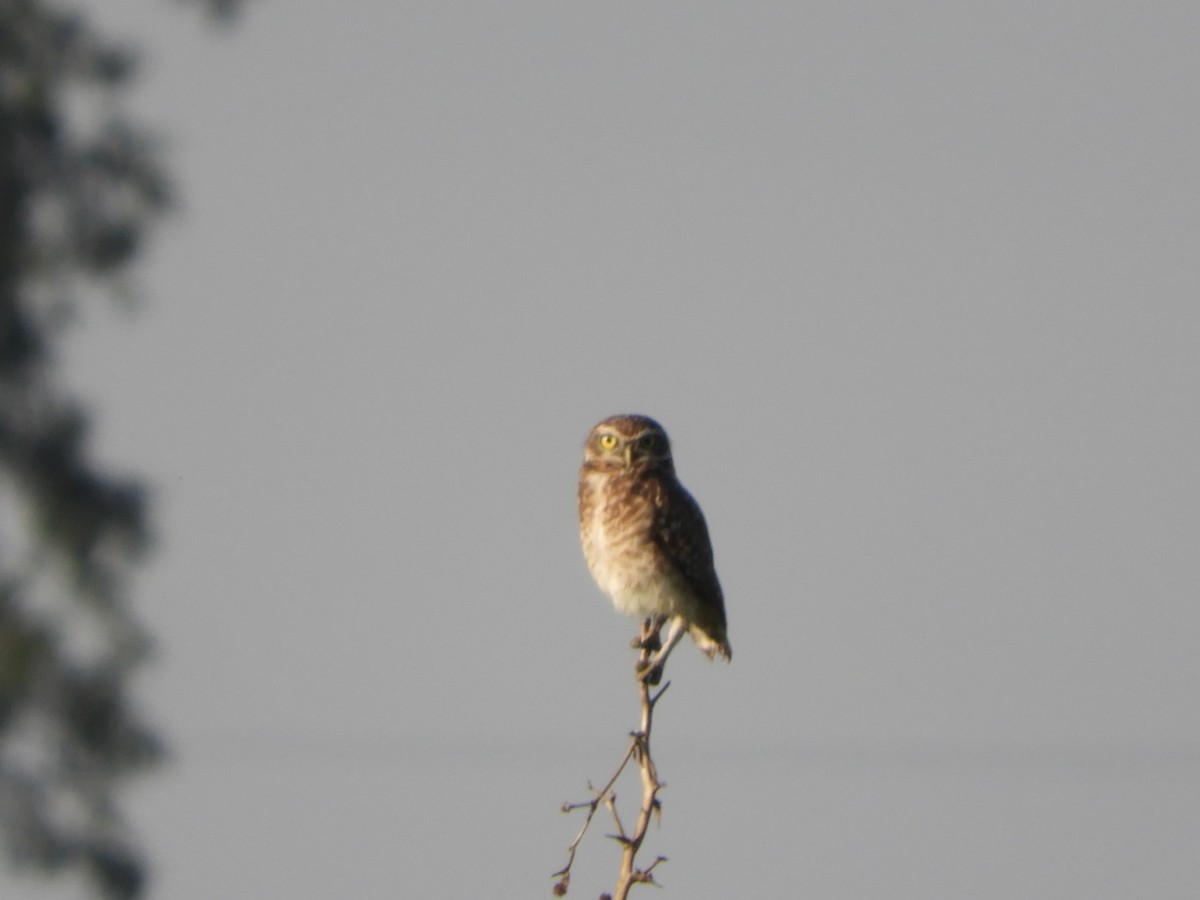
607 441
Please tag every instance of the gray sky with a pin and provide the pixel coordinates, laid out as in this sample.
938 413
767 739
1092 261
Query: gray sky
914 287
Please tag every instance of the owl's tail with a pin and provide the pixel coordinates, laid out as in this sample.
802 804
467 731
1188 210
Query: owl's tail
711 645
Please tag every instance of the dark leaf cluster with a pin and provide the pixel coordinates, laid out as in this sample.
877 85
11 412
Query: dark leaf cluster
81 187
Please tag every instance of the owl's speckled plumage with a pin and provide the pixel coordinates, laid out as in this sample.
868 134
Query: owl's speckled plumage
644 537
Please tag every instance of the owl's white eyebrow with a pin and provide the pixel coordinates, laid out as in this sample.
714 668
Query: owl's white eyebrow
633 437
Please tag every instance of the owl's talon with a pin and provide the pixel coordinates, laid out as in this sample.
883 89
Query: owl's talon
649 673
650 642
648 639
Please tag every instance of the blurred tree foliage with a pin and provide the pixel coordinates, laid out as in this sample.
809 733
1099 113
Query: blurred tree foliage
80 187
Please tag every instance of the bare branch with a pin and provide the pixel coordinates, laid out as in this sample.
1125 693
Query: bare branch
564 874
639 750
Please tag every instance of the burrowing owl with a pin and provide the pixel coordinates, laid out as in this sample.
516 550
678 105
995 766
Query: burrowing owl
644 536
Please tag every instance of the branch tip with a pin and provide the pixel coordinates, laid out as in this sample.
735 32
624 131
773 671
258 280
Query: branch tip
638 750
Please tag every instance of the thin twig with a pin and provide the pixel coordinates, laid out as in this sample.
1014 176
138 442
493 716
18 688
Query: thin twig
564 874
629 874
639 750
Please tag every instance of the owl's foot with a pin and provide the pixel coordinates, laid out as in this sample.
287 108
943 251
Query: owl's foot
649 639
654 657
649 666
649 671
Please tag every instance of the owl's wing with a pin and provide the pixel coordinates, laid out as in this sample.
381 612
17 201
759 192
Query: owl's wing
682 535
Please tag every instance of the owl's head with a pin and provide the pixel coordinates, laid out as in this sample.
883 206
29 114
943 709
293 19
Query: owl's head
628 442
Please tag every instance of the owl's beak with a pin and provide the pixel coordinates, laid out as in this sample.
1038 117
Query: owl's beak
628 455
